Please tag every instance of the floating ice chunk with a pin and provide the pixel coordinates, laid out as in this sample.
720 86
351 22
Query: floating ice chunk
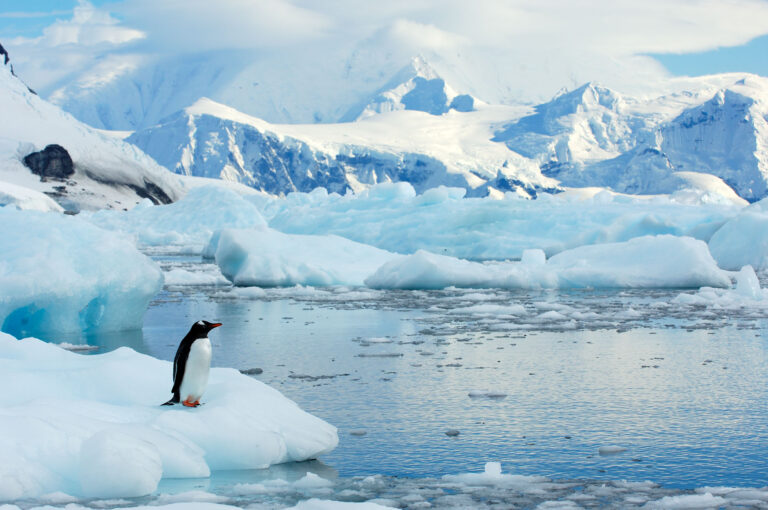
190 222
487 394
611 450
643 262
268 258
747 284
688 501
311 481
318 504
196 496
551 315
493 476
182 277
58 273
743 240
95 425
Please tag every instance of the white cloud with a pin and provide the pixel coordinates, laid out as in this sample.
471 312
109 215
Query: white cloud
500 50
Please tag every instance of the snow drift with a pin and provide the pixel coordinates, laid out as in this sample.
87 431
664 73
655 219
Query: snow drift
102 432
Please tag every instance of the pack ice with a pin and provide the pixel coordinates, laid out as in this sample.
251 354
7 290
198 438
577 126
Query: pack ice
92 426
58 273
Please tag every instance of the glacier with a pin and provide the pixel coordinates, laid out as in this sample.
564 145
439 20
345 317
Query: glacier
96 436
57 274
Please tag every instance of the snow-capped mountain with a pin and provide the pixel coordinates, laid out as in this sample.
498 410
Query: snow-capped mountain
454 149
415 87
594 136
591 136
85 168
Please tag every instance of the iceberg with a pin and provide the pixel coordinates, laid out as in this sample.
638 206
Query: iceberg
391 216
188 223
102 433
645 262
268 258
743 240
58 273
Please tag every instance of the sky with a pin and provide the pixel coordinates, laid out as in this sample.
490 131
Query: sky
499 49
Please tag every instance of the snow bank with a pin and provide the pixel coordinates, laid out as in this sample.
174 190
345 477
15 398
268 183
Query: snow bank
646 262
268 258
58 273
27 199
102 432
743 240
392 217
190 222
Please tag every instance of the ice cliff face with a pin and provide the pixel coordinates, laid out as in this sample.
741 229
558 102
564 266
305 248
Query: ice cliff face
105 172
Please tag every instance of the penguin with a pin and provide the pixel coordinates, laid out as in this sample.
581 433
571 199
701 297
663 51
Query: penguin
191 365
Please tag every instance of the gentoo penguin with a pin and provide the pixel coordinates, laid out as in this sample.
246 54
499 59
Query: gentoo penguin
191 365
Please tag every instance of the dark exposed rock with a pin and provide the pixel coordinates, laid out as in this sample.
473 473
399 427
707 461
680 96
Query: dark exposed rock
4 54
53 162
150 190
6 60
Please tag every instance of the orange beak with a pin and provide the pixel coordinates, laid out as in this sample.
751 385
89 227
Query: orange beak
215 325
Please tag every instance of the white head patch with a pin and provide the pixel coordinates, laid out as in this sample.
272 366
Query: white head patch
199 323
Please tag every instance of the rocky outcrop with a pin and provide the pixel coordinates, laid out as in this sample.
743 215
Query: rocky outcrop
53 162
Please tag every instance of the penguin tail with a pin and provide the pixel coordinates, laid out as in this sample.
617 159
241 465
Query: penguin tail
169 403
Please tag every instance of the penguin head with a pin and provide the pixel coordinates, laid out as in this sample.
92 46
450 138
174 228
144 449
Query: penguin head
200 329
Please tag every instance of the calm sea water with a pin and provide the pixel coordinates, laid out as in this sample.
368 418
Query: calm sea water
684 390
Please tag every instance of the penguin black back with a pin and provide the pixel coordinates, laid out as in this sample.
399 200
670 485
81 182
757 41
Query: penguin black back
199 329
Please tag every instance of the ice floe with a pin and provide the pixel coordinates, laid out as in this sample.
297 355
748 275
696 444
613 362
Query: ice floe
92 426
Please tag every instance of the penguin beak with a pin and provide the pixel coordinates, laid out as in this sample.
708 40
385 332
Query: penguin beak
215 325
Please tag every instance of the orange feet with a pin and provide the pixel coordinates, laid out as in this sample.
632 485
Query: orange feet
189 403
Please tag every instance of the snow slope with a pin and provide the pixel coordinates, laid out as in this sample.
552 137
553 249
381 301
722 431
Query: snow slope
108 171
97 436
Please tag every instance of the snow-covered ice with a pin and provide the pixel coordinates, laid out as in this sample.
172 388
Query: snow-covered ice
57 273
92 425
26 199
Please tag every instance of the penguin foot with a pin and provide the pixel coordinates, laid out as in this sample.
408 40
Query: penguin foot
189 403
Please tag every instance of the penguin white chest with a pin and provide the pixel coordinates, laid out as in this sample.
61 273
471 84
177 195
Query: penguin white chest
196 371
